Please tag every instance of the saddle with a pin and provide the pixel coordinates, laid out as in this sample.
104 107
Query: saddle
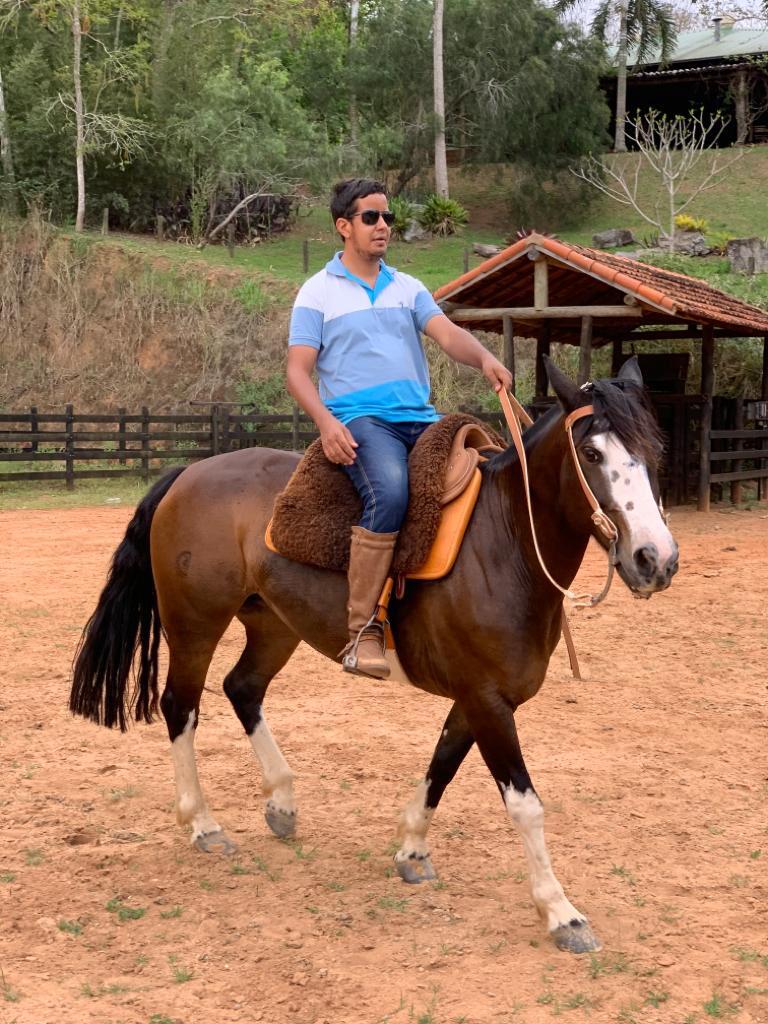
313 516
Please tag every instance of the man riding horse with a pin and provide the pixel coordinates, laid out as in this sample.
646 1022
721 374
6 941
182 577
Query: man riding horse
358 324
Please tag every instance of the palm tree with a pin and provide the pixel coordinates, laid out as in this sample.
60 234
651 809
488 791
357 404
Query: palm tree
645 26
441 164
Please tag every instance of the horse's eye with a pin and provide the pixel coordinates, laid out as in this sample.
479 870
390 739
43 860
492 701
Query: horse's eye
591 455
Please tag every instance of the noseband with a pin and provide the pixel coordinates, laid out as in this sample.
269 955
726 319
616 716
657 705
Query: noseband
515 415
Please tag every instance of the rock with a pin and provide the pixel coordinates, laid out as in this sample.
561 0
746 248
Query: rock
614 238
691 243
486 251
415 232
747 255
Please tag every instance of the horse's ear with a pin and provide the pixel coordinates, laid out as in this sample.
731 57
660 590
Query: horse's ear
570 395
631 371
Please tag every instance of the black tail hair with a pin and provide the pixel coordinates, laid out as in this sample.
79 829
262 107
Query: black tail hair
125 622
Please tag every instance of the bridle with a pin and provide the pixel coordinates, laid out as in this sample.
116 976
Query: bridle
516 415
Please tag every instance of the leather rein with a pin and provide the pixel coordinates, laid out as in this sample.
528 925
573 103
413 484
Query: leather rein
515 414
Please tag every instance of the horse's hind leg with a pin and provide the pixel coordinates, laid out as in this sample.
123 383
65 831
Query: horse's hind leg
412 859
190 656
269 645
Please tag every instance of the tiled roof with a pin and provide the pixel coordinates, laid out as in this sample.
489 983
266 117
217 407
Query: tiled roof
582 276
701 44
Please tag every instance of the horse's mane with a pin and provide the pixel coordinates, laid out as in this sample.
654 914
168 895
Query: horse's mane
621 408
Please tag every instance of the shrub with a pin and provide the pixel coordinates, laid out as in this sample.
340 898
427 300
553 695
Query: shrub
683 222
550 203
404 213
443 216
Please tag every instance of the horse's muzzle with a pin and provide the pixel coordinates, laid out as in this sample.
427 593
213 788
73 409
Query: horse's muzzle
648 573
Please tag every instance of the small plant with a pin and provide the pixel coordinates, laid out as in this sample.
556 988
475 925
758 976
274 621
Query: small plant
9 995
7 877
160 1018
116 906
684 222
70 927
392 903
34 857
656 998
180 973
175 911
404 214
608 964
443 216
622 872
717 1006
123 794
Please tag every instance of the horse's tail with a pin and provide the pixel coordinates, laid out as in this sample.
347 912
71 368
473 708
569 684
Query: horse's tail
126 622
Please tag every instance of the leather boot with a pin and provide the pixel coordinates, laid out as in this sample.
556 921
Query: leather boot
370 559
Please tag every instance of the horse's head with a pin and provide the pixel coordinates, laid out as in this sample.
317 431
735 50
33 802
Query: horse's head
618 449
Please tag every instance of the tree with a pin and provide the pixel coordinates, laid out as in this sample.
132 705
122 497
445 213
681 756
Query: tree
6 156
441 162
643 27
679 152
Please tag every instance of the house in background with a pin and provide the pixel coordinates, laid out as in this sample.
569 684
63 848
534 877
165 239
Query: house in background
723 68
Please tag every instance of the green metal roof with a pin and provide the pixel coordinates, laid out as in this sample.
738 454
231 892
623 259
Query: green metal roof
702 45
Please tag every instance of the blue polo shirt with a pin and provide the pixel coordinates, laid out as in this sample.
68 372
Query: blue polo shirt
370 358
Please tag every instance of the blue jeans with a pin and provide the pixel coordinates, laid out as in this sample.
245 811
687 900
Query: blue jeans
380 471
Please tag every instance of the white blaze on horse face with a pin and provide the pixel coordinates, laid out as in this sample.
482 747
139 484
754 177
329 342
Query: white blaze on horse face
631 501
191 808
414 825
526 811
277 777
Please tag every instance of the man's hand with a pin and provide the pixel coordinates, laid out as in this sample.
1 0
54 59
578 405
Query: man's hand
338 443
495 373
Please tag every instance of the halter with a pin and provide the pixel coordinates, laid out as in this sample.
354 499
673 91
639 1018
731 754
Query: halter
514 415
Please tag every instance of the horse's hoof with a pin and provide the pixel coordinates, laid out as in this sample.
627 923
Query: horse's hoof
576 937
215 842
415 870
282 823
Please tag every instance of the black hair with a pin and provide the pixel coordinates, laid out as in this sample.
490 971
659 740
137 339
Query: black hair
346 193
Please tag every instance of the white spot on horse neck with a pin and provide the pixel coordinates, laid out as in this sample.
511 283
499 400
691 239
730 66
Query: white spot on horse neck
631 497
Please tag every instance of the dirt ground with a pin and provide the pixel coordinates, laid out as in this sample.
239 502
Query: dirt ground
654 773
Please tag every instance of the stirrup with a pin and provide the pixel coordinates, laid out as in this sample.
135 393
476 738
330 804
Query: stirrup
348 654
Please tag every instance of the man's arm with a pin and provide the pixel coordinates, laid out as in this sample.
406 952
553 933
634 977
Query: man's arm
338 443
462 347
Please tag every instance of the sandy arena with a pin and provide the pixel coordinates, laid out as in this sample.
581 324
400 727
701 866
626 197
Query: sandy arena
653 771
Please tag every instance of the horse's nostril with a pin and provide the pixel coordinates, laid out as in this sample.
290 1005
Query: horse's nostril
646 560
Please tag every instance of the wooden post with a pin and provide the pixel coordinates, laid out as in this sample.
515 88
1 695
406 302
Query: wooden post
763 484
540 283
34 426
225 443
466 261
295 423
160 227
145 449
305 255
738 444
121 438
707 387
542 349
509 348
105 221
69 465
231 239
215 430
616 354
585 350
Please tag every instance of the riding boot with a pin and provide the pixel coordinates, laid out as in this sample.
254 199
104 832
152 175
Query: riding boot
370 558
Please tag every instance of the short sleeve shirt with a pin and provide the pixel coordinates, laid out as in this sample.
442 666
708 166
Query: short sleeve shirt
370 358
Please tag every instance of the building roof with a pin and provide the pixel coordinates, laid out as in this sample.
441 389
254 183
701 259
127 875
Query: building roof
702 45
579 276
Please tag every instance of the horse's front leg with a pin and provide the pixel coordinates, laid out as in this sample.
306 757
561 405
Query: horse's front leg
493 726
412 859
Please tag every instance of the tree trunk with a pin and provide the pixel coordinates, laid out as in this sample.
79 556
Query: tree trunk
77 38
741 103
161 47
354 13
441 162
6 155
620 143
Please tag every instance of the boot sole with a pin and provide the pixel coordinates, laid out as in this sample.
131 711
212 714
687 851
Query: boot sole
366 675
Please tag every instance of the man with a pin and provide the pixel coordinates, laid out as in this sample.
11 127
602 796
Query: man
358 324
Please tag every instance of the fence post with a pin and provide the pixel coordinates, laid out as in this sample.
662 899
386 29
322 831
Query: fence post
69 465
121 440
466 261
105 221
33 427
305 255
160 227
231 239
215 430
145 449
295 427
225 442
738 444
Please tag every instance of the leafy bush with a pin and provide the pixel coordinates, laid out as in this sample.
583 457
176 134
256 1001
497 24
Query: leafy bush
719 240
443 216
683 222
550 203
404 213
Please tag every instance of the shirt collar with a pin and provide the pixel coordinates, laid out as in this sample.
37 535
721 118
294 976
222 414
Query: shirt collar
337 268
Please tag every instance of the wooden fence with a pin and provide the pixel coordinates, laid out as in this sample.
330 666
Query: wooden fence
142 444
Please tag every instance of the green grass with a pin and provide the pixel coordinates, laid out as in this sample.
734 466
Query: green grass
70 927
124 913
45 494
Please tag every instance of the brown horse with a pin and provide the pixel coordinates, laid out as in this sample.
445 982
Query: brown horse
193 558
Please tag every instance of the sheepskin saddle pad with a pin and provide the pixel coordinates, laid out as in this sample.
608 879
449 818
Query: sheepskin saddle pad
312 518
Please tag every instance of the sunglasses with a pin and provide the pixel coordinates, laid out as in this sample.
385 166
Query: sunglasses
371 217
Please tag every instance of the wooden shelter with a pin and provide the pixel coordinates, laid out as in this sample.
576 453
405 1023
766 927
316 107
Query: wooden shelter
546 289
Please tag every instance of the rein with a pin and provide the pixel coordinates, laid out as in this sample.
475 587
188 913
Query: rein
515 414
